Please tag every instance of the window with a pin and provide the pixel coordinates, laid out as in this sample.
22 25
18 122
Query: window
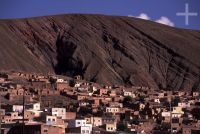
83 131
45 130
53 119
108 128
78 123
87 131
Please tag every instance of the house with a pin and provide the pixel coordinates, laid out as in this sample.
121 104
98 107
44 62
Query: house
48 129
9 117
51 120
111 127
80 123
17 93
36 112
103 91
47 91
161 95
195 94
95 121
108 119
33 106
184 104
59 80
17 108
118 98
55 121
176 124
166 116
60 86
181 93
93 88
29 115
35 128
81 97
129 93
59 112
83 103
112 93
113 110
6 119
190 129
115 104
83 88
78 77
2 80
141 106
177 112
157 100
14 115
2 112
70 115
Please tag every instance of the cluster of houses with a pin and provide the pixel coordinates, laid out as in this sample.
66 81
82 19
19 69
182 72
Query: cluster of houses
91 108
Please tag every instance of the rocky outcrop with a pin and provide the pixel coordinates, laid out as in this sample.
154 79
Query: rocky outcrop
103 49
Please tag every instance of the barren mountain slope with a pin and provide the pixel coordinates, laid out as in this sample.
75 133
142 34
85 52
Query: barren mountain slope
104 49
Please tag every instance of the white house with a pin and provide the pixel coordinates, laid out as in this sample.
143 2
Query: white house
161 95
184 104
33 106
157 100
86 128
60 81
111 127
17 108
77 85
166 114
59 112
51 120
129 93
95 121
113 110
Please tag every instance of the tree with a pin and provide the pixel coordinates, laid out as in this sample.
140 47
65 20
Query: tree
195 112
127 99
121 126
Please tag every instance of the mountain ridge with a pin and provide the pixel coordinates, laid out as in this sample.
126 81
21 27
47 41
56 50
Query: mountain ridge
103 49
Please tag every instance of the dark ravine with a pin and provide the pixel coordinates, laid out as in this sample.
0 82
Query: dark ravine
103 49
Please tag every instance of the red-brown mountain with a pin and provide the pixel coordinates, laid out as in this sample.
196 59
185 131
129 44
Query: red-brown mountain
104 49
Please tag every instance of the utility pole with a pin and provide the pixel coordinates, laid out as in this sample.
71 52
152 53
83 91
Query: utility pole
23 112
0 112
170 105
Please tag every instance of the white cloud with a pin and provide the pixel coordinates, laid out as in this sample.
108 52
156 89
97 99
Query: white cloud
166 21
131 15
163 20
144 16
141 16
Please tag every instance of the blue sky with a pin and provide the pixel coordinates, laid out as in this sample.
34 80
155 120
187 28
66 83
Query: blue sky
155 9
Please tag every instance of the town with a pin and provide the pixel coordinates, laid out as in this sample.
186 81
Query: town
53 104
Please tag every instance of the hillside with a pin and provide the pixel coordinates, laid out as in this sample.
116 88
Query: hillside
103 49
